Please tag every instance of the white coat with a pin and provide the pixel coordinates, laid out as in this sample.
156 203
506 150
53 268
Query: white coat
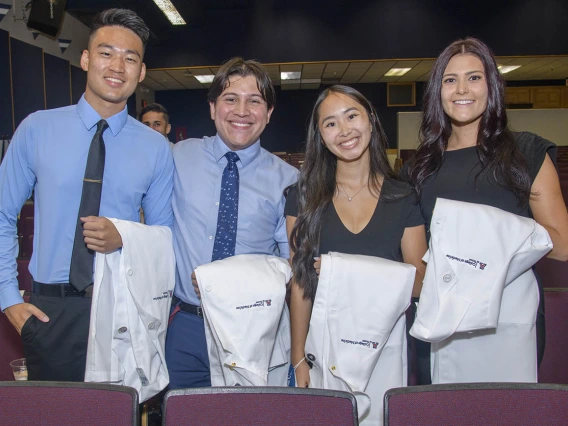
480 297
132 295
357 336
247 326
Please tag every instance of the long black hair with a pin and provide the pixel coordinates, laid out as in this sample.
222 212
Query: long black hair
496 148
317 186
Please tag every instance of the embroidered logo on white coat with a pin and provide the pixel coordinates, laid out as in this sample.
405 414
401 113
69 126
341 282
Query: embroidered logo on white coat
365 343
472 262
257 304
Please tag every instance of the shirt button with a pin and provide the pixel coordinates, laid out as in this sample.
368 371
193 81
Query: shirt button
129 272
447 278
151 326
122 330
217 203
210 237
208 288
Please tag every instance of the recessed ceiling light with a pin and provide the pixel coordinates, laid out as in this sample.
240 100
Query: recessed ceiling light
504 69
170 11
290 75
205 78
397 72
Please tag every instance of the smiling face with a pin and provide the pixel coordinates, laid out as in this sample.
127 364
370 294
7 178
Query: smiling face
157 121
345 127
114 68
240 113
464 90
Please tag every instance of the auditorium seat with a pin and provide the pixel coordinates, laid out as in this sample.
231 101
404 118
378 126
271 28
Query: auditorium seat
24 276
554 366
552 273
10 347
487 404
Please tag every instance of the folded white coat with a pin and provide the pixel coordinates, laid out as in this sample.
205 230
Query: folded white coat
357 336
480 297
132 295
247 326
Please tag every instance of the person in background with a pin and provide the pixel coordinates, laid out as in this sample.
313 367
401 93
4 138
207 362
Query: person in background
468 153
90 157
228 199
156 116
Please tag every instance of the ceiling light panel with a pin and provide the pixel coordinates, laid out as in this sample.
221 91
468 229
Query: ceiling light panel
397 72
205 78
170 11
504 69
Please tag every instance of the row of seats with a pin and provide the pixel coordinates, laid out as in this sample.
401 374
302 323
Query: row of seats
62 404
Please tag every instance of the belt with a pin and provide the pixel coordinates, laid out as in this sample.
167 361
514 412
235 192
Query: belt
186 307
60 290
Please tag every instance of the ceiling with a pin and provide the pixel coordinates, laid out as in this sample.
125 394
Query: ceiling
316 73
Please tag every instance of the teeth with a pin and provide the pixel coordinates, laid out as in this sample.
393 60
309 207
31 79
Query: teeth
349 143
240 124
463 102
114 80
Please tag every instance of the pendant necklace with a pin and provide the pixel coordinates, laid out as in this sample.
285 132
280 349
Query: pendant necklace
354 195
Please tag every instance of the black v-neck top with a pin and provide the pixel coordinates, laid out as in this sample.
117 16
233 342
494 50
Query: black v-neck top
382 235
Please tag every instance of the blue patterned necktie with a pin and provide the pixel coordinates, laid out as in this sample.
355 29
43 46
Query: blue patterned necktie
226 236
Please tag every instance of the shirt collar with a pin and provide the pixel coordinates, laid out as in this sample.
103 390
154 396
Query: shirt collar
246 156
90 117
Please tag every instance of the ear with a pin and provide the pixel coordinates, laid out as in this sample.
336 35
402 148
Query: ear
142 73
212 110
85 60
168 129
269 115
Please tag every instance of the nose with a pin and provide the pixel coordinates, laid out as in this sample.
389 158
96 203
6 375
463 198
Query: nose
117 64
462 87
344 128
241 109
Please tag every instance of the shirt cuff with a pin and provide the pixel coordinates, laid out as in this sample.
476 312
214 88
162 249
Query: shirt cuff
10 296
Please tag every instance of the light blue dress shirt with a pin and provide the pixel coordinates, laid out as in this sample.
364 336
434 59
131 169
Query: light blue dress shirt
261 226
48 155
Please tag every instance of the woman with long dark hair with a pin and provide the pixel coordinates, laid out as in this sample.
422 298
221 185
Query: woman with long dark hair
347 200
468 153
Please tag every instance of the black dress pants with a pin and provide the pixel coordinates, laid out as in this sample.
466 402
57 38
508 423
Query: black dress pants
57 350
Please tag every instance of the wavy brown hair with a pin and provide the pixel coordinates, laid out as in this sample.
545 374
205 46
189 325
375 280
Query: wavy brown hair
496 148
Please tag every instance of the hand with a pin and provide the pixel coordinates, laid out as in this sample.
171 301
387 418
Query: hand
19 314
195 286
302 375
100 234
317 264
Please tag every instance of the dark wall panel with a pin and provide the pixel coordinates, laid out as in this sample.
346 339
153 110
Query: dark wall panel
57 81
299 30
78 83
5 92
27 79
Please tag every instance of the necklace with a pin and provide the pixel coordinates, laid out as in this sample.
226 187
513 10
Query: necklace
354 195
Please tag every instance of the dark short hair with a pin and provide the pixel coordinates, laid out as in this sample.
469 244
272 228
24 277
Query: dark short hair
124 18
240 67
154 108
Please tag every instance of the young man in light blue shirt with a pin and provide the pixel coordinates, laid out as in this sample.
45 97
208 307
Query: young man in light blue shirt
241 100
48 155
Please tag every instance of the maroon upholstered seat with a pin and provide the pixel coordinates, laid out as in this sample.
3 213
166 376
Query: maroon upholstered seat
10 348
554 366
66 404
552 273
272 406
487 404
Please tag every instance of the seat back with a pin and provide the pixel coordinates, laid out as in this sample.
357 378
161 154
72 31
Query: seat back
259 406
552 273
66 404
477 403
10 347
554 366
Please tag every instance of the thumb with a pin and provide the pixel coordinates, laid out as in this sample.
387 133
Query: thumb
39 314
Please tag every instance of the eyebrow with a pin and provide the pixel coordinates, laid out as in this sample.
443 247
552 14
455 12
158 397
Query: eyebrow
467 73
110 46
344 112
258 95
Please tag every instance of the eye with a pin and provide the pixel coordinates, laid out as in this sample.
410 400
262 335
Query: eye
131 60
329 124
230 99
476 77
255 101
352 116
105 54
449 80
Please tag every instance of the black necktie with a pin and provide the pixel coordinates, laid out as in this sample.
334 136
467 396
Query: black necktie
81 270
226 236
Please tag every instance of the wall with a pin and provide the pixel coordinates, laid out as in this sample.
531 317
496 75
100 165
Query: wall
287 128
